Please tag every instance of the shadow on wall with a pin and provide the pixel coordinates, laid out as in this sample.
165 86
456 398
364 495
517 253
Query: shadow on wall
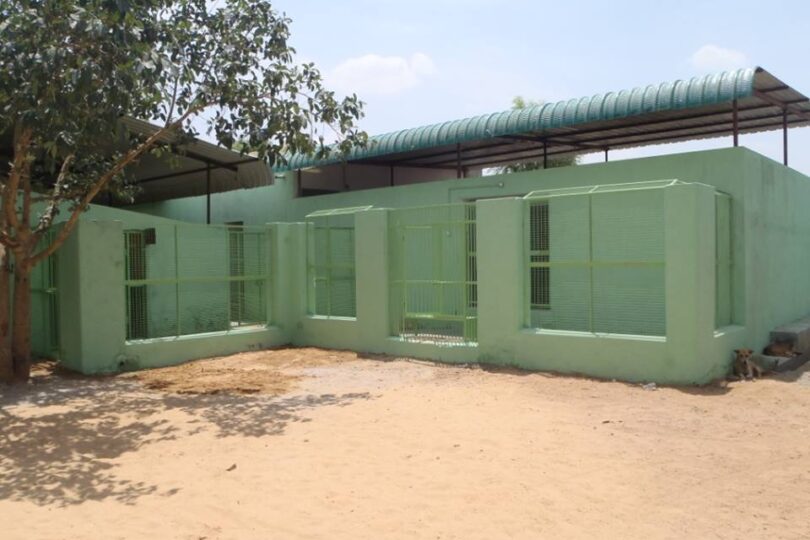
56 451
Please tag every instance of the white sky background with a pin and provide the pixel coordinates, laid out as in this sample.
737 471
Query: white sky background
421 62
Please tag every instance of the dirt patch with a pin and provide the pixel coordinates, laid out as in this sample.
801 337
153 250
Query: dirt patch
273 372
399 450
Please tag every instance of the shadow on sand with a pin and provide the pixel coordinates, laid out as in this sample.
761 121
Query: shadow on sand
58 449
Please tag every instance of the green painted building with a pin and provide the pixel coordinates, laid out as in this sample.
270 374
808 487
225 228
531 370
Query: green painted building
649 269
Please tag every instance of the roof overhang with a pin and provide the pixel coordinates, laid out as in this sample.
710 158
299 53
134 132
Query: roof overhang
193 167
742 101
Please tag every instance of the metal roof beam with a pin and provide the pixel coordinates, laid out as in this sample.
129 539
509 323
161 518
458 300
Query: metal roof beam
398 164
632 144
673 129
787 105
190 171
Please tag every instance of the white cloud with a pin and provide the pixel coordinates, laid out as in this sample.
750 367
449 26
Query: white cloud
711 57
381 75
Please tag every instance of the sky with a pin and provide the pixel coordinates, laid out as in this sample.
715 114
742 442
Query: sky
420 62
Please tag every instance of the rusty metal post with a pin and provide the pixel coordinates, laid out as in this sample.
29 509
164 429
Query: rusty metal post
785 136
208 193
545 154
735 122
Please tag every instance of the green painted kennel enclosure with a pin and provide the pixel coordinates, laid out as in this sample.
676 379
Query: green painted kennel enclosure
602 279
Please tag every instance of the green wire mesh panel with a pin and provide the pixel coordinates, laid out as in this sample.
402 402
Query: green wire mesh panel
724 258
332 289
433 273
192 279
44 305
596 262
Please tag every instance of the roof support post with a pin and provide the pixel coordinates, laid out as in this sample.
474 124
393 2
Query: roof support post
391 175
735 122
545 154
458 160
208 193
785 136
606 154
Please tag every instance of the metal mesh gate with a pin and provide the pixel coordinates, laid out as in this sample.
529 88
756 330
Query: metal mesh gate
433 273
44 303
595 261
191 279
331 267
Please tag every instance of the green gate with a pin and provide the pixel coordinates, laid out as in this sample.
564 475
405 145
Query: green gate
433 273
45 306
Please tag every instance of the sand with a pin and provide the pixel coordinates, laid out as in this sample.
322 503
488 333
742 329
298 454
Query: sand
322 444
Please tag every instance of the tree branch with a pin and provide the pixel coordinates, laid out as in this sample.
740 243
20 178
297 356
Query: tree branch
119 166
47 217
21 144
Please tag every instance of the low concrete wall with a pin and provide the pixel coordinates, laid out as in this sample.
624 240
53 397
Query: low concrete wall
94 304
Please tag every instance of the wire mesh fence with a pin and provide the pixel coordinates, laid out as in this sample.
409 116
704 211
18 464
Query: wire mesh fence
724 261
331 265
192 279
595 262
44 301
433 273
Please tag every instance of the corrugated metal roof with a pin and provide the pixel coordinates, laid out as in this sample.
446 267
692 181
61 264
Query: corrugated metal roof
614 119
183 174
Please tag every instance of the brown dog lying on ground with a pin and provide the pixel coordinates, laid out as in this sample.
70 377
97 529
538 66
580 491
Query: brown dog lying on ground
780 348
744 366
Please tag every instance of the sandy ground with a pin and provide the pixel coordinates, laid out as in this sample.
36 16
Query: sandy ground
321 444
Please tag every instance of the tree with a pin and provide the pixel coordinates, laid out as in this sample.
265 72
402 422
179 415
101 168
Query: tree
71 69
518 102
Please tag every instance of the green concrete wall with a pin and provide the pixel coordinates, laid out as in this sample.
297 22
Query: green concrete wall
768 199
770 282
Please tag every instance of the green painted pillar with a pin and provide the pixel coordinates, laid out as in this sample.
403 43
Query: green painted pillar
289 267
690 282
92 299
501 295
371 271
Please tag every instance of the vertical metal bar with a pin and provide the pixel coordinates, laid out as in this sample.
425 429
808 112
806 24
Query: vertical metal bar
208 193
298 188
606 155
735 122
328 267
545 154
527 259
458 160
391 175
177 281
343 176
785 136
590 258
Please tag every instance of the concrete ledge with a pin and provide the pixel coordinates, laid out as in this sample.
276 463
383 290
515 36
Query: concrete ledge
796 332
170 351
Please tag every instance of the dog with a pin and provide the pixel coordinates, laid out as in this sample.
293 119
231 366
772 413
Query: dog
744 366
780 348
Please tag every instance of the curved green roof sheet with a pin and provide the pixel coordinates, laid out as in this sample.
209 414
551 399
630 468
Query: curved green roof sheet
668 96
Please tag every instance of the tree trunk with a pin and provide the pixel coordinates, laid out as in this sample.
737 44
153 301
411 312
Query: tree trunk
6 361
21 333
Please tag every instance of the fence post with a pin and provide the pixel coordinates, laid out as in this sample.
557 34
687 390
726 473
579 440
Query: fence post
690 281
371 271
501 298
